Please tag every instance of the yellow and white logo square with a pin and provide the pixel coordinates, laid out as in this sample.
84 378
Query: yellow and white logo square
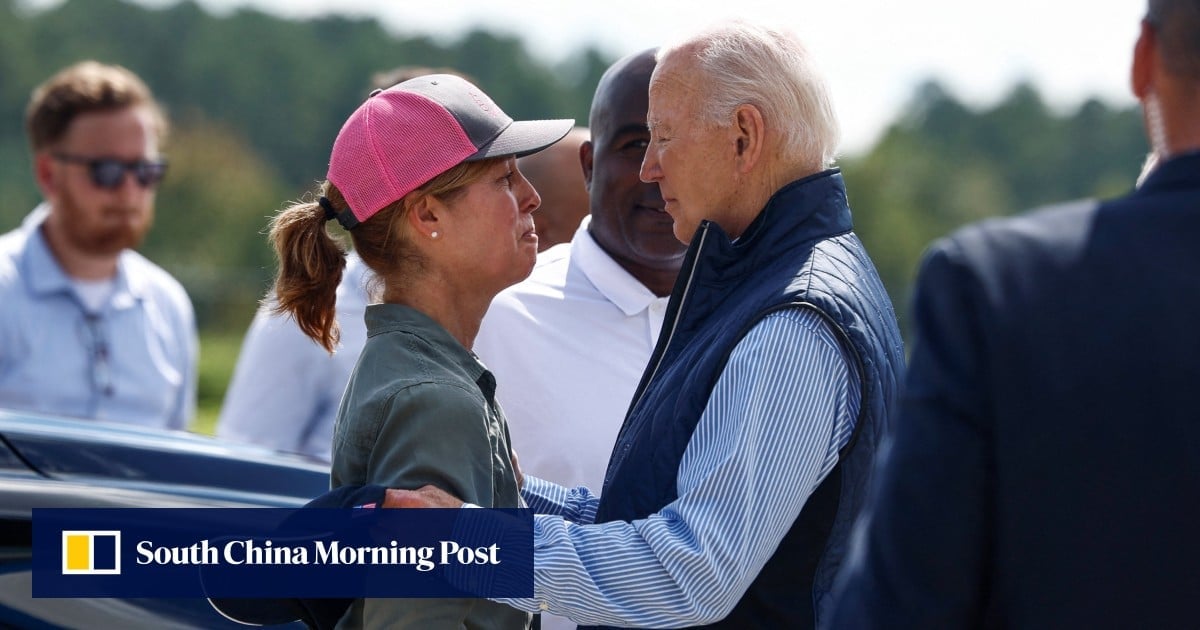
91 552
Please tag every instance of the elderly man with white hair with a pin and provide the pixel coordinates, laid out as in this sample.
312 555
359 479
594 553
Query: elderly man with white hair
745 455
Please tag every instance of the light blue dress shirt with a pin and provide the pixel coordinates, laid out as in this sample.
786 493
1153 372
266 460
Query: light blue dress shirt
133 360
783 407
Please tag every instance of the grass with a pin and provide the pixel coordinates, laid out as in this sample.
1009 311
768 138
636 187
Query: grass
218 355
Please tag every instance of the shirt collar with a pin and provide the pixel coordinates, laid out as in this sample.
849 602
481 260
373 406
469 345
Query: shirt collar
398 317
44 276
609 278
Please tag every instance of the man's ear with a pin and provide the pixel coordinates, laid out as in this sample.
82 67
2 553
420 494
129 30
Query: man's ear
586 153
43 173
1145 61
750 135
426 216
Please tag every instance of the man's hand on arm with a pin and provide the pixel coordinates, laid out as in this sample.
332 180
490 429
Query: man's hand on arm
424 497
516 464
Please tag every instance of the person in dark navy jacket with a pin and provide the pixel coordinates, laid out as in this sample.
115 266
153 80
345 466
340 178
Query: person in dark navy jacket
1045 466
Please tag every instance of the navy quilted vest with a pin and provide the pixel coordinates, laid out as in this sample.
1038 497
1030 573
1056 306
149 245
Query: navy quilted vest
799 251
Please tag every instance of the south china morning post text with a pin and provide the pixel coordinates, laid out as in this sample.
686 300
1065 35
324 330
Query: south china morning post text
267 552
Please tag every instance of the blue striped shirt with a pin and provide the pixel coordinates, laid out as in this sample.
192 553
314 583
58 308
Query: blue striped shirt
783 407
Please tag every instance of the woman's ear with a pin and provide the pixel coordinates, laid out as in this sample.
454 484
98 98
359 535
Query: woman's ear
425 214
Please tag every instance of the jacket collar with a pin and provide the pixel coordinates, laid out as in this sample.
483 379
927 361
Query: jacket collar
1182 171
381 318
806 209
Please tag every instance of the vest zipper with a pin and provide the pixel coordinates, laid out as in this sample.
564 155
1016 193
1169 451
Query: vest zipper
663 346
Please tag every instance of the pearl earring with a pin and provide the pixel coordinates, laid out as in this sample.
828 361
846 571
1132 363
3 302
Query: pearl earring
433 235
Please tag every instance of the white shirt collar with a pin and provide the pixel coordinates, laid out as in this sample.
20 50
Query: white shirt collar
610 278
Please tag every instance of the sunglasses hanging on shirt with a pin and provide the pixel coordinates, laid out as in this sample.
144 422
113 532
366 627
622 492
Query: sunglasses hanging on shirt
109 173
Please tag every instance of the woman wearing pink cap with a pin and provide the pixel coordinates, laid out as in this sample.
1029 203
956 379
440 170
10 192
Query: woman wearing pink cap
423 177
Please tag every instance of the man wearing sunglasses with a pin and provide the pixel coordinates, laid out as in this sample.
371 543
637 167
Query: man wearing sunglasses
89 328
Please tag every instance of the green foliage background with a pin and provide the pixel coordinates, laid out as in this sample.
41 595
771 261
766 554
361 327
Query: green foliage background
256 101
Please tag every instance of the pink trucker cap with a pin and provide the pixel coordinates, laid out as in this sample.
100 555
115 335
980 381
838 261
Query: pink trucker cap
404 136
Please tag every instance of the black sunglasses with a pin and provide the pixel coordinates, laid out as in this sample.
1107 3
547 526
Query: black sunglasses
97 344
108 173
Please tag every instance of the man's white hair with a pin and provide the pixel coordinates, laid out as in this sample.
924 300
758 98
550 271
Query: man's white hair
770 69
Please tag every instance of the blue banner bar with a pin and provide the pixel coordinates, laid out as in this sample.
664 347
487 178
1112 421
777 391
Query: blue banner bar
270 552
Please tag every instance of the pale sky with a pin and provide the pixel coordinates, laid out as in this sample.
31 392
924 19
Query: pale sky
873 52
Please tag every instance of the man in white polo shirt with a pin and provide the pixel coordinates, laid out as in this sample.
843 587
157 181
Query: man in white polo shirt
568 345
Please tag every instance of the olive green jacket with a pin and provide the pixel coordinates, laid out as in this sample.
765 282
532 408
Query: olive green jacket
420 409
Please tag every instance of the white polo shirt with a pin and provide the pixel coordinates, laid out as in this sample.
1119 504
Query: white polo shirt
567 347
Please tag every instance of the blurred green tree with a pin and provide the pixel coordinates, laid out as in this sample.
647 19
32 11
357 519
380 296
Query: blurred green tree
943 164
210 226
258 99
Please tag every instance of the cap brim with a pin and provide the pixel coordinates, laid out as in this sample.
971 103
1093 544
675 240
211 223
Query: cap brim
524 137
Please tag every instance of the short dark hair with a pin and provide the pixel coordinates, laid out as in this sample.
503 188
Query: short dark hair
85 87
1178 25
